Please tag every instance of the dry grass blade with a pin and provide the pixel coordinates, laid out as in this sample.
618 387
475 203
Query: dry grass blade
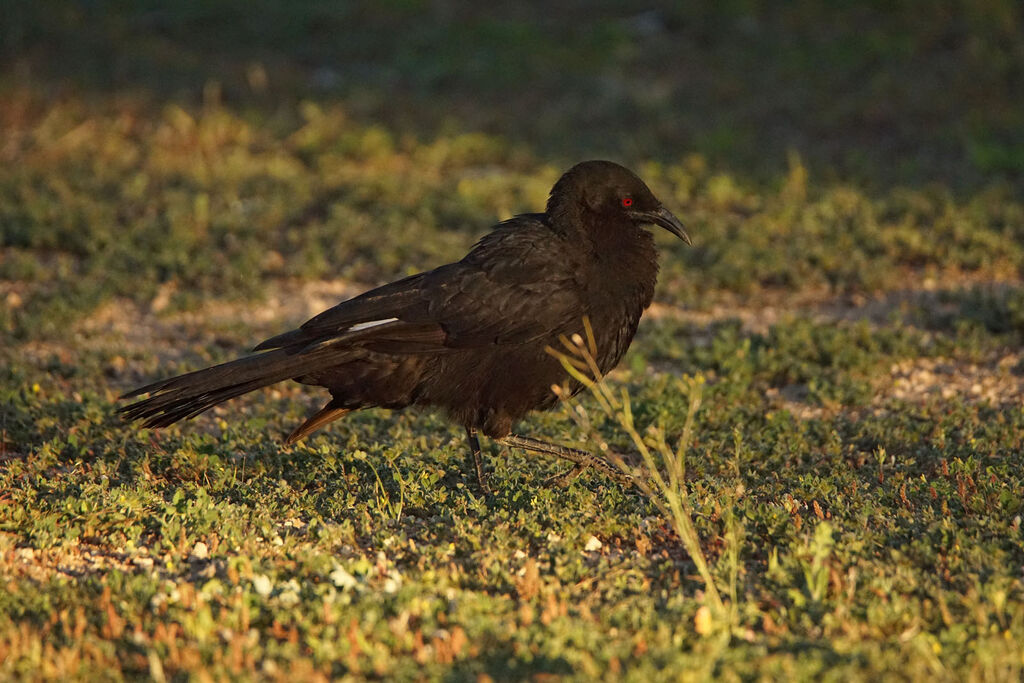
661 474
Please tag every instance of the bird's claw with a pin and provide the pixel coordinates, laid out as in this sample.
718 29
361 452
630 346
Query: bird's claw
565 478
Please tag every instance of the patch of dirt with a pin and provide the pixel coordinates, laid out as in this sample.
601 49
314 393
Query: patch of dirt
136 330
823 306
996 381
288 303
793 399
72 561
755 319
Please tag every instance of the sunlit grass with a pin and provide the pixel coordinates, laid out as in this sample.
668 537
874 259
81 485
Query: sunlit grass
821 412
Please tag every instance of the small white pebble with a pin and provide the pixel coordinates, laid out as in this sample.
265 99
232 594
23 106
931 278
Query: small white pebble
593 545
200 551
262 585
342 579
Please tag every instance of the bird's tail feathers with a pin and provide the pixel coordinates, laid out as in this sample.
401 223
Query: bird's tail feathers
185 396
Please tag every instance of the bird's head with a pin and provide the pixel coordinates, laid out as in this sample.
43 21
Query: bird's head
611 192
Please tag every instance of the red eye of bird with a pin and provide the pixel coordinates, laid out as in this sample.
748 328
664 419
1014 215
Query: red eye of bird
627 202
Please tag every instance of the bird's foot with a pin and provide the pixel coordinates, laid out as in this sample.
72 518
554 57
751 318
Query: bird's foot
481 480
581 459
565 478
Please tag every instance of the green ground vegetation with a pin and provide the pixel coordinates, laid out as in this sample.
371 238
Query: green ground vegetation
841 348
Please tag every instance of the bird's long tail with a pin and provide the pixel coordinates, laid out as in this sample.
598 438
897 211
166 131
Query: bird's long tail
188 395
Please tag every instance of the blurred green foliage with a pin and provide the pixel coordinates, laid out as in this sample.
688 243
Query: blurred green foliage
881 92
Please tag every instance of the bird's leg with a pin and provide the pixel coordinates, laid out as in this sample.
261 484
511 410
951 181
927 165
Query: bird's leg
580 458
478 462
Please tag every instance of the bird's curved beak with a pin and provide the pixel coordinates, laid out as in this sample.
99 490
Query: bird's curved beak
663 217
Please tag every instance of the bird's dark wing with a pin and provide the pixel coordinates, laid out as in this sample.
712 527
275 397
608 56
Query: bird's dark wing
516 285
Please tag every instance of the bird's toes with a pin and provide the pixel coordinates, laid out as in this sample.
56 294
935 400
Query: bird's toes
565 478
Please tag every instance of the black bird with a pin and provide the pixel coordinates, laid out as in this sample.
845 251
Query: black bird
469 337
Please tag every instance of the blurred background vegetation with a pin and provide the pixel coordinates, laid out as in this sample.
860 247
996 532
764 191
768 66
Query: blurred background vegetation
878 92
